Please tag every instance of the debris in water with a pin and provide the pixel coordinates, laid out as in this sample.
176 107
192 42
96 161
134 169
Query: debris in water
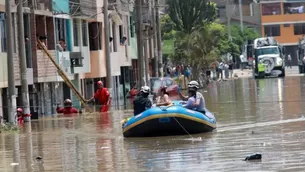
38 158
254 157
252 132
105 147
14 163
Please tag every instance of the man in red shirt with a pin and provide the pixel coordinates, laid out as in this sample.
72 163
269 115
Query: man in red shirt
67 109
103 95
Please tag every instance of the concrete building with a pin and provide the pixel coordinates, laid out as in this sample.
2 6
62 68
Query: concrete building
284 20
74 36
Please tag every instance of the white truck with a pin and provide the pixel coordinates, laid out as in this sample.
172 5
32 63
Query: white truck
268 51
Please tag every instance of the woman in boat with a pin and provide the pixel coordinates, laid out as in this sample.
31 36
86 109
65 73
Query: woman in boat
163 99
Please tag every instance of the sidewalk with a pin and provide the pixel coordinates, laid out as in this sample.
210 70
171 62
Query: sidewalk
246 73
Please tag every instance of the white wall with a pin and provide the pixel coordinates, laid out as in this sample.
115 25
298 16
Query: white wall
83 49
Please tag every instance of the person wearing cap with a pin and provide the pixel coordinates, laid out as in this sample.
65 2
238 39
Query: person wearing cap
163 99
67 109
103 96
20 115
142 102
199 103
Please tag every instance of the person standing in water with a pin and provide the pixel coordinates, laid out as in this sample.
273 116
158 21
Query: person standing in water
103 95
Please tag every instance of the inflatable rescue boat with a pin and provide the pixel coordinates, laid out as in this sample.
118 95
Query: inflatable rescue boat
169 120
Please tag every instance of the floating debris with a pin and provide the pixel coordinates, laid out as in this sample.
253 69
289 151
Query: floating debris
38 158
254 157
14 163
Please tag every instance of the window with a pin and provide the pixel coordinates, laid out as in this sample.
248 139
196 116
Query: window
61 32
168 82
286 25
128 33
132 27
293 8
60 29
75 33
271 9
299 29
273 30
84 33
263 51
3 32
221 12
114 40
95 36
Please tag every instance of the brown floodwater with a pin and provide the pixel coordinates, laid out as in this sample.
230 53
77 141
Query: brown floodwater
253 116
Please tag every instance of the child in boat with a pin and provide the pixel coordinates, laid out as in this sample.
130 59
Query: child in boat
163 99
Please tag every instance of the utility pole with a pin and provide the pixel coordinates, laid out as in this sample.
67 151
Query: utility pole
109 78
154 38
229 16
139 31
159 43
146 62
241 16
10 64
22 61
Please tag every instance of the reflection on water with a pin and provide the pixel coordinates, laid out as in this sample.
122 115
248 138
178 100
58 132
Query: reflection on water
263 116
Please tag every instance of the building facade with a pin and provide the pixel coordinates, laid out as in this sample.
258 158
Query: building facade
73 33
284 20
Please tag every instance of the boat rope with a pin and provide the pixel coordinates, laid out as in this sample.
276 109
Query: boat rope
183 128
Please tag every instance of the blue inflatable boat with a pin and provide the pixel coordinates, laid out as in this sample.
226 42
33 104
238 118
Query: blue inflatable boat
169 120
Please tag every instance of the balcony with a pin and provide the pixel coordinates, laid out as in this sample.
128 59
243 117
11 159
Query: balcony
282 12
83 8
40 7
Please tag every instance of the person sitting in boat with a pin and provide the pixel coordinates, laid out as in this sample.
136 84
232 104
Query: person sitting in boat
191 100
163 99
142 102
67 109
199 103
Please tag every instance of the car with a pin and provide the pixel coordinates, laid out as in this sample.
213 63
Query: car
156 83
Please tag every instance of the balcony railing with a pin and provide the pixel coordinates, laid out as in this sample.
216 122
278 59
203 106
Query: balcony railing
43 5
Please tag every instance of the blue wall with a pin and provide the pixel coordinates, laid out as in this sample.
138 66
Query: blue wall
61 6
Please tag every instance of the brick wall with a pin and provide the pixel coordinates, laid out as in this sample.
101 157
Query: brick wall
43 67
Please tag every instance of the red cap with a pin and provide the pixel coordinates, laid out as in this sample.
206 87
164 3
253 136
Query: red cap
19 110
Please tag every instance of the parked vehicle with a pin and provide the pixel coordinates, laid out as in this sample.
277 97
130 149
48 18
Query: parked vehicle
156 83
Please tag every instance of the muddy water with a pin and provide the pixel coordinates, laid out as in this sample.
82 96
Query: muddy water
265 116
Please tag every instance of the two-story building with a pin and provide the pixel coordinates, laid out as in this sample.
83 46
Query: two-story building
285 21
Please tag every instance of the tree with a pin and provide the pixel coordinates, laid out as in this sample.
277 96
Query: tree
167 28
188 15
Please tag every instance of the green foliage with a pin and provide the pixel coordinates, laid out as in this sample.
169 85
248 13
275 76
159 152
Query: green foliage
199 40
167 28
8 127
188 15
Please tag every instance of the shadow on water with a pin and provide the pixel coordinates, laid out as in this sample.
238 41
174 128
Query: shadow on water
265 116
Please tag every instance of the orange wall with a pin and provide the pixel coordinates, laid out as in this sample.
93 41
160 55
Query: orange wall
287 35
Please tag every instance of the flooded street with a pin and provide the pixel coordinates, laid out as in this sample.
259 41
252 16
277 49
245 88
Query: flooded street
253 116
